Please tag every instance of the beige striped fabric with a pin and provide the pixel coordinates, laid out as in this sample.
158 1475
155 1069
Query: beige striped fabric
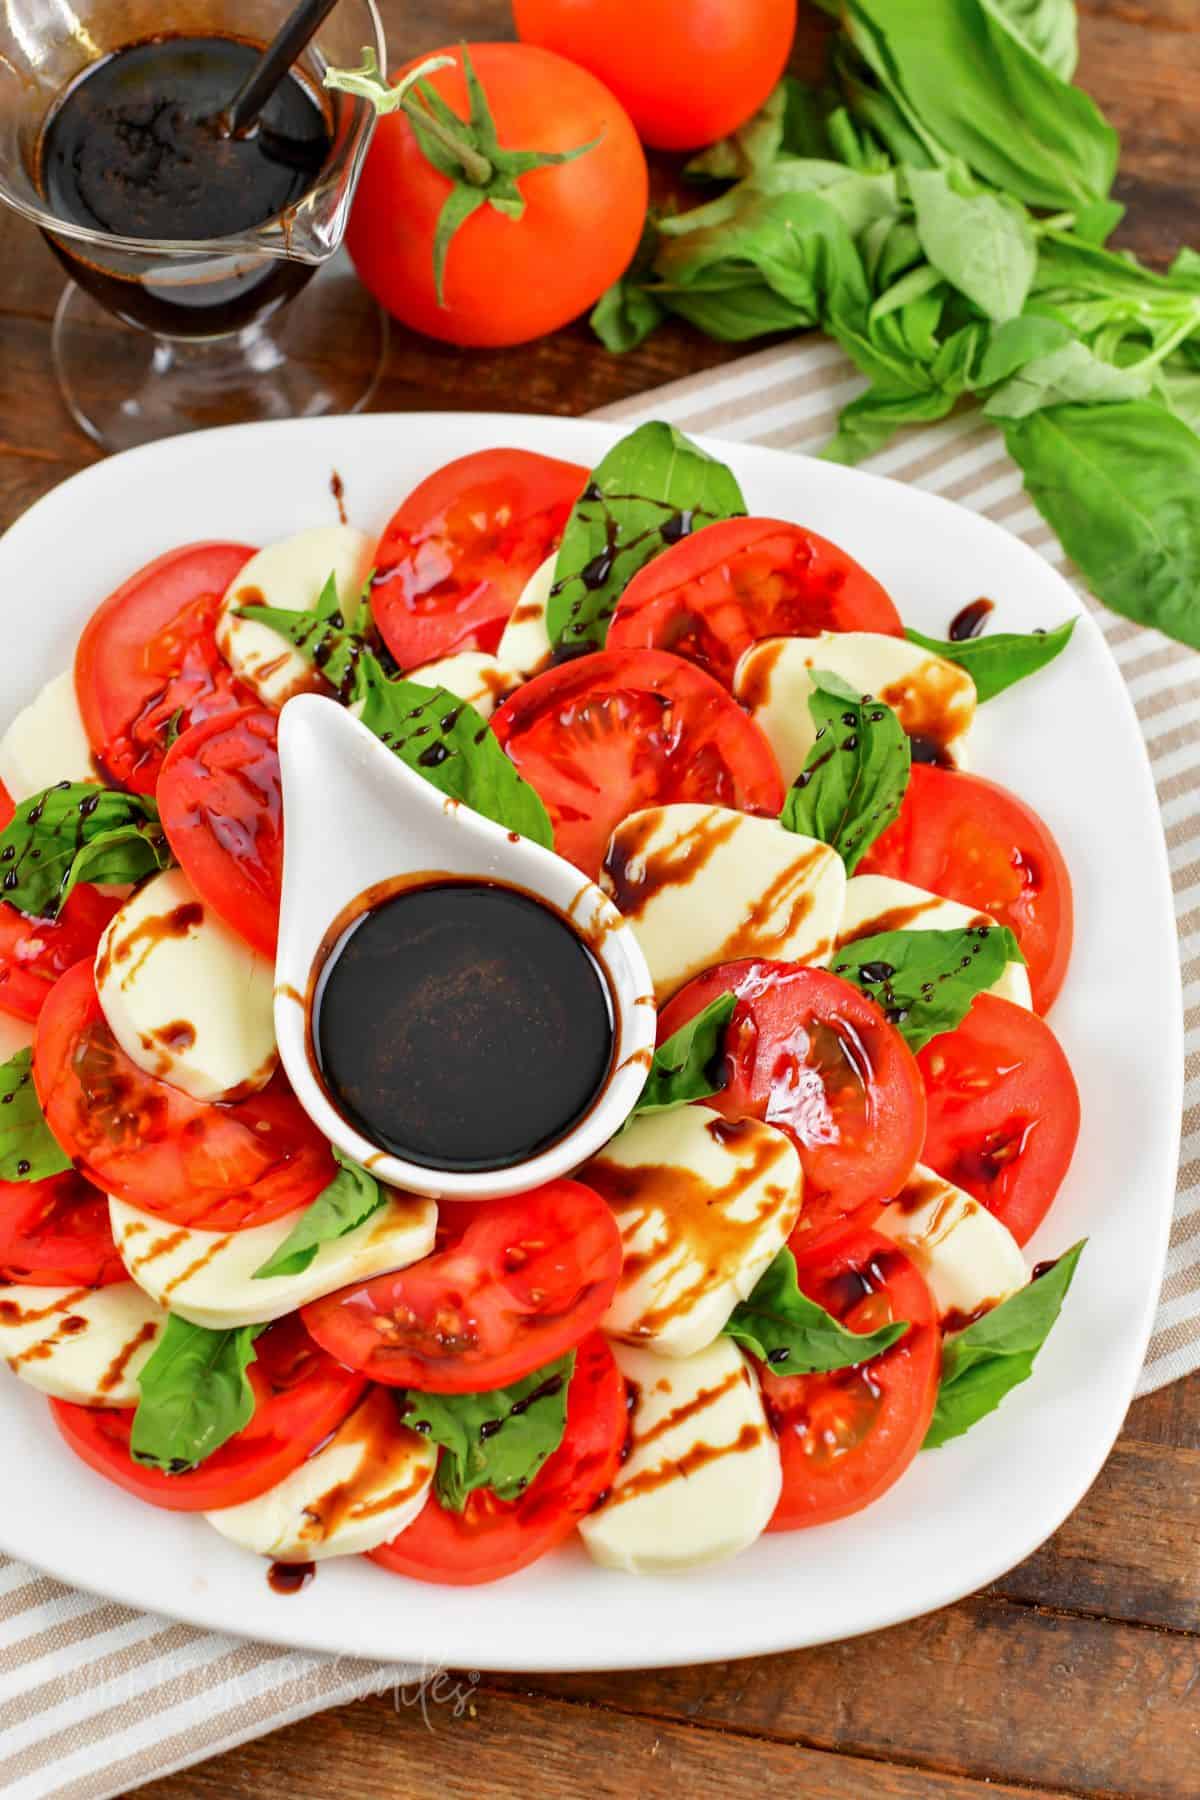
96 1699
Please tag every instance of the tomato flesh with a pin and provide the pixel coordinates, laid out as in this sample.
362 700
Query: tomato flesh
516 1283
610 733
492 1538
7 807
35 953
56 1233
300 1397
221 805
217 1166
453 562
971 840
709 597
147 664
846 1437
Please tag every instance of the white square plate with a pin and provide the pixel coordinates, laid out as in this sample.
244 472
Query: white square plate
1067 741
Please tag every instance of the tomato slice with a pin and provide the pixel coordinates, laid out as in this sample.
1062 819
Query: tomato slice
147 664
812 1054
1003 1111
7 807
218 1166
491 1538
516 1283
710 596
971 840
221 807
603 736
844 1438
34 953
300 1397
56 1233
452 563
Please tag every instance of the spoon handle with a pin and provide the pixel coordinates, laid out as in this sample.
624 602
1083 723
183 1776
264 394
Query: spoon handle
305 19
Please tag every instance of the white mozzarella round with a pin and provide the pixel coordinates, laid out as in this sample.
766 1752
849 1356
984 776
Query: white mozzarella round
288 575
933 699
969 1259
186 998
482 681
525 642
208 1277
366 1484
703 885
704 1206
876 903
88 1345
46 743
15 1035
703 1474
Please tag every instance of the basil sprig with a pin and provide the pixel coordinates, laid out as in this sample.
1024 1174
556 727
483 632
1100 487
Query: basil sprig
77 832
28 1150
652 489
685 1064
1000 658
195 1394
925 981
349 1200
994 1355
855 776
793 1335
497 1440
332 636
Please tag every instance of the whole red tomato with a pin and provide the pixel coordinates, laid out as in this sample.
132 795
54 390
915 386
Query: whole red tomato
688 73
505 279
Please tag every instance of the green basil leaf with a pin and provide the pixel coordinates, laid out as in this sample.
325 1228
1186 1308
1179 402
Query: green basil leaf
856 773
444 739
77 832
982 243
195 1394
1072 373
684 1065
925 981
497 1440
331 636
1048 27
790 122
652 489
991 1357
999 658
351 1197
1016 343
625 315
28 1151
793 1335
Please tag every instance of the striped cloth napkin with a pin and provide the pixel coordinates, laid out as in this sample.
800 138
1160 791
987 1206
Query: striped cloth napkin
95 1698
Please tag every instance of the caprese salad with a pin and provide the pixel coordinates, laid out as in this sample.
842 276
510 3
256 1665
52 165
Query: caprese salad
800 1261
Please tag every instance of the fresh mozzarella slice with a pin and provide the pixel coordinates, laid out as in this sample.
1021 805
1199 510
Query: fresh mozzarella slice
289 575
82 1344
208 1276
369 1481
969 1259
46 743
703 1206
482 681
876 903
702 1476
185 997
703 885
933 699
15 1035
525 643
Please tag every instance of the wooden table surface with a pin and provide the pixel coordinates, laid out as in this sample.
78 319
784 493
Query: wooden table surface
1078 1673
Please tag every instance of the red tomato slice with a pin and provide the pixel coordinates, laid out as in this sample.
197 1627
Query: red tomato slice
844 1438
7 807
603 736
148 663
300 1397
971 840
1003 1111
34 953
812 1054
219 798
491 1538
452 563
56 1233
709 597
215 1166
518 1282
